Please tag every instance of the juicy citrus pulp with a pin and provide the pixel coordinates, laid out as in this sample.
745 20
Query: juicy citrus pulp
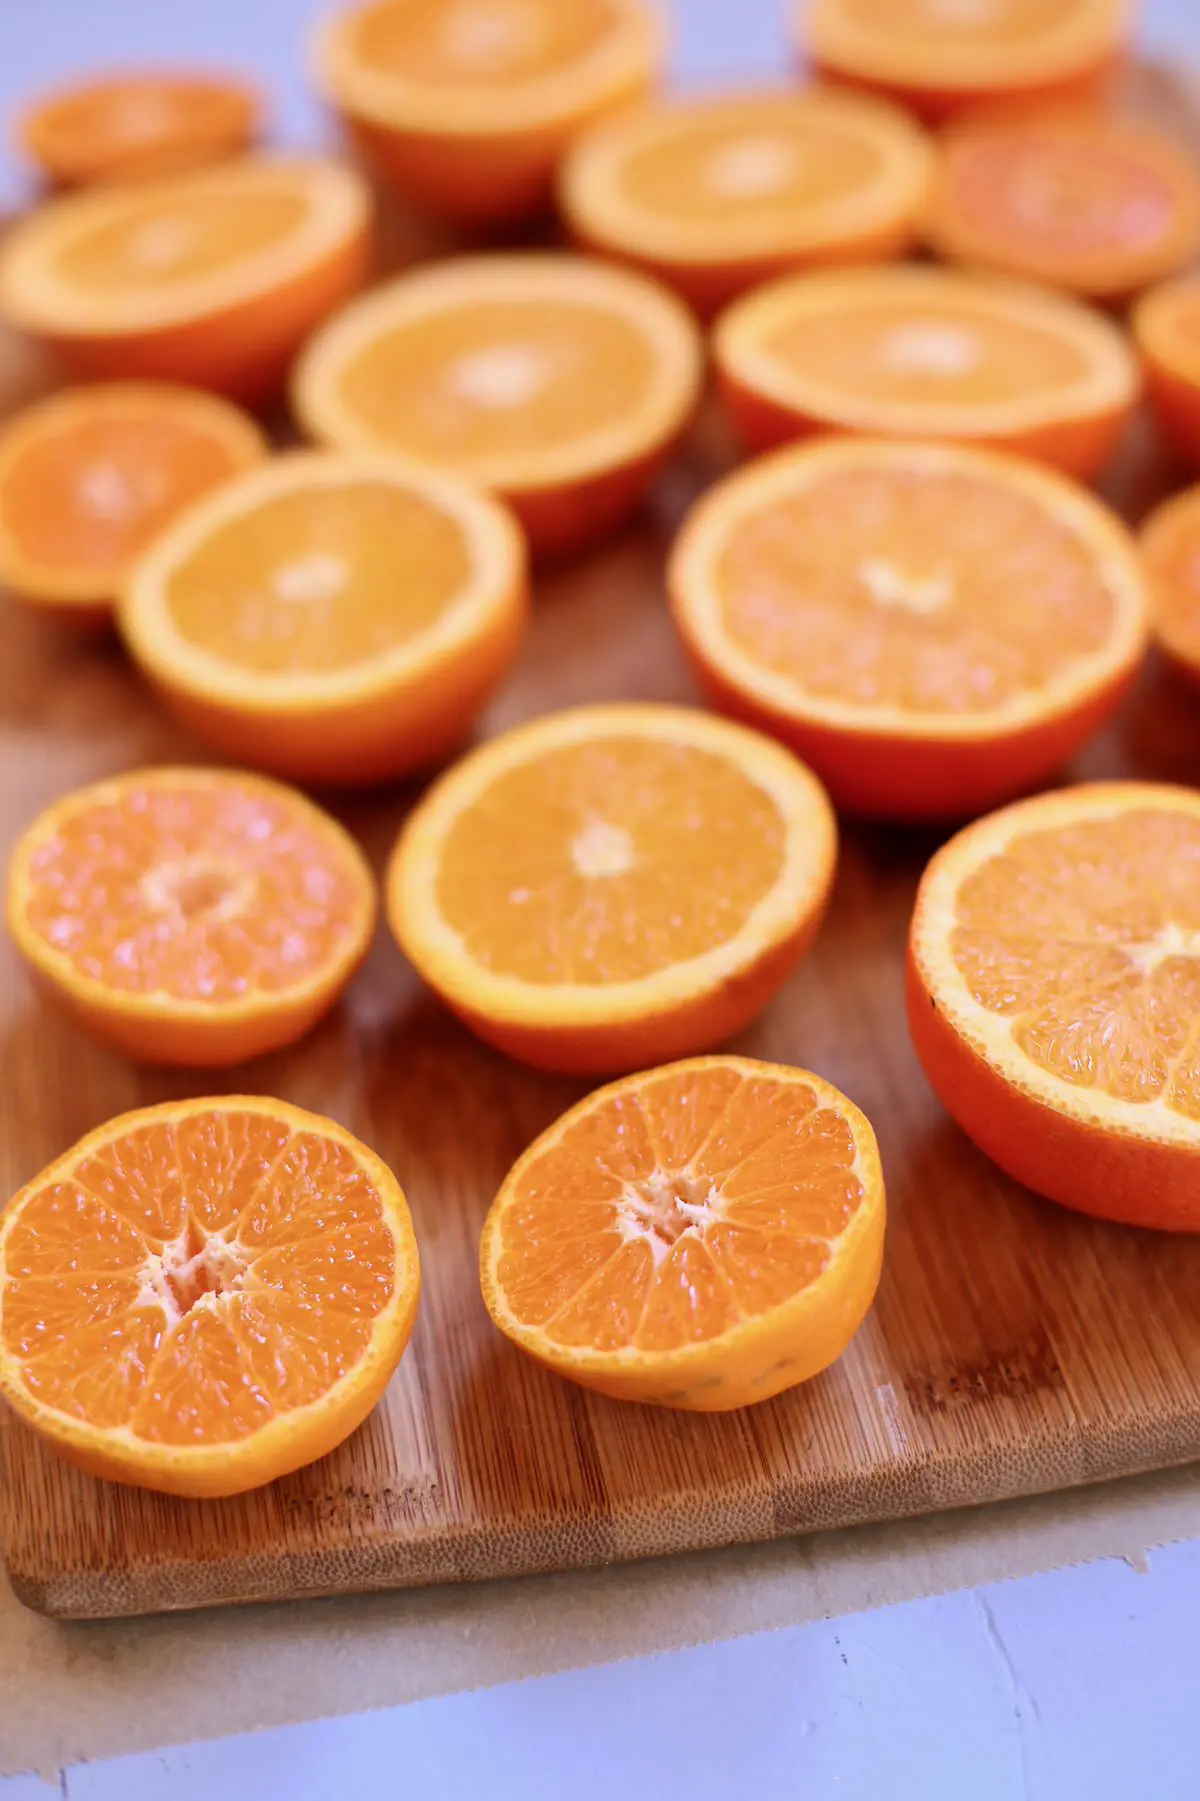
607 882
204 1295
703 1235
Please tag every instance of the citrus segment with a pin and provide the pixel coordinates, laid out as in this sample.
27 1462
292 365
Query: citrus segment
1093 204
337 619
213 277
189 915
704 1235
934 628
938 56
1166 329
558 383
202 1296
88 477
467 105
715 194
1170 543
138 123
926 353
1055 996
615 884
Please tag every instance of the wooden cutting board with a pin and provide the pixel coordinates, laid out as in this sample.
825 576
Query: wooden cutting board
1013 1347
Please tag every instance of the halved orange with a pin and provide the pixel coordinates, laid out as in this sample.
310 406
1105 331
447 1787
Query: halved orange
138 122
335 619
1166 330
1170 543
193 916
716 193
940 55
202 1296
1054 996
89 476
916 352
606 887
934 628
1083 201
701 1236
213 277
467 105
559 383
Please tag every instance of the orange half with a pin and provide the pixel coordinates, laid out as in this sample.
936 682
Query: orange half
192 916
202 1296
701 1236
1054 996
1166 330
136 123
1170 544
916 352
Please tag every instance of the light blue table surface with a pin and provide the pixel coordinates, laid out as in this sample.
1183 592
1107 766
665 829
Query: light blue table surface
1079 1685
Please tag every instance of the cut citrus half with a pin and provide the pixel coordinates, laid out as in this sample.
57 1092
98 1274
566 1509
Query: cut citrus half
716 193
926 353
613 885
1082 201
88 477
336 619
213 277
933 628
700 1236
467 105
1170 541
940 55
136 123
192 916
1054 996
559 383
1166 329
202 1296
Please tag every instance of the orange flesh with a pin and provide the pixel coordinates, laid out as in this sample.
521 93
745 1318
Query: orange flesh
155 243
1087 938
479 43
672 1212
928 352
936 593
93 493
773 161
499 379
1063 195
190 1282
935 25
320 579
205 894
595 862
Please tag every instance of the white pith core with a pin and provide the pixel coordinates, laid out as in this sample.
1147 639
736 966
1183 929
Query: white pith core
197 886
501 377
317 577
194 1270
602 850
752 168
892 587
931 347
660 1209
1170 940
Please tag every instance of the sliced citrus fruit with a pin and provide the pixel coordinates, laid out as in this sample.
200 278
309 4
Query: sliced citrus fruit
1054 996
467 105
1166 329
336 619
138 122
700 1236
940 55
934 628
605 887
193 916
716 193
559 383
1170 541
1082 201
926 353
213 277
89 476
202 1296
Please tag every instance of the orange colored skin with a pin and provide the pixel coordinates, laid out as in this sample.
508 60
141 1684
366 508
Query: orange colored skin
243 351
1168 538
562 521
1175 400
1103 1172
934 105
234 116
874 775
1079 447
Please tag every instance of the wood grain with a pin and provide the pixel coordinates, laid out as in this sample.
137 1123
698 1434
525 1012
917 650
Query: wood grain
1013 1347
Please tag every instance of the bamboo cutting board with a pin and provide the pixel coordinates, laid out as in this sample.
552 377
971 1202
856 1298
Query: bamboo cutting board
1013 1347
